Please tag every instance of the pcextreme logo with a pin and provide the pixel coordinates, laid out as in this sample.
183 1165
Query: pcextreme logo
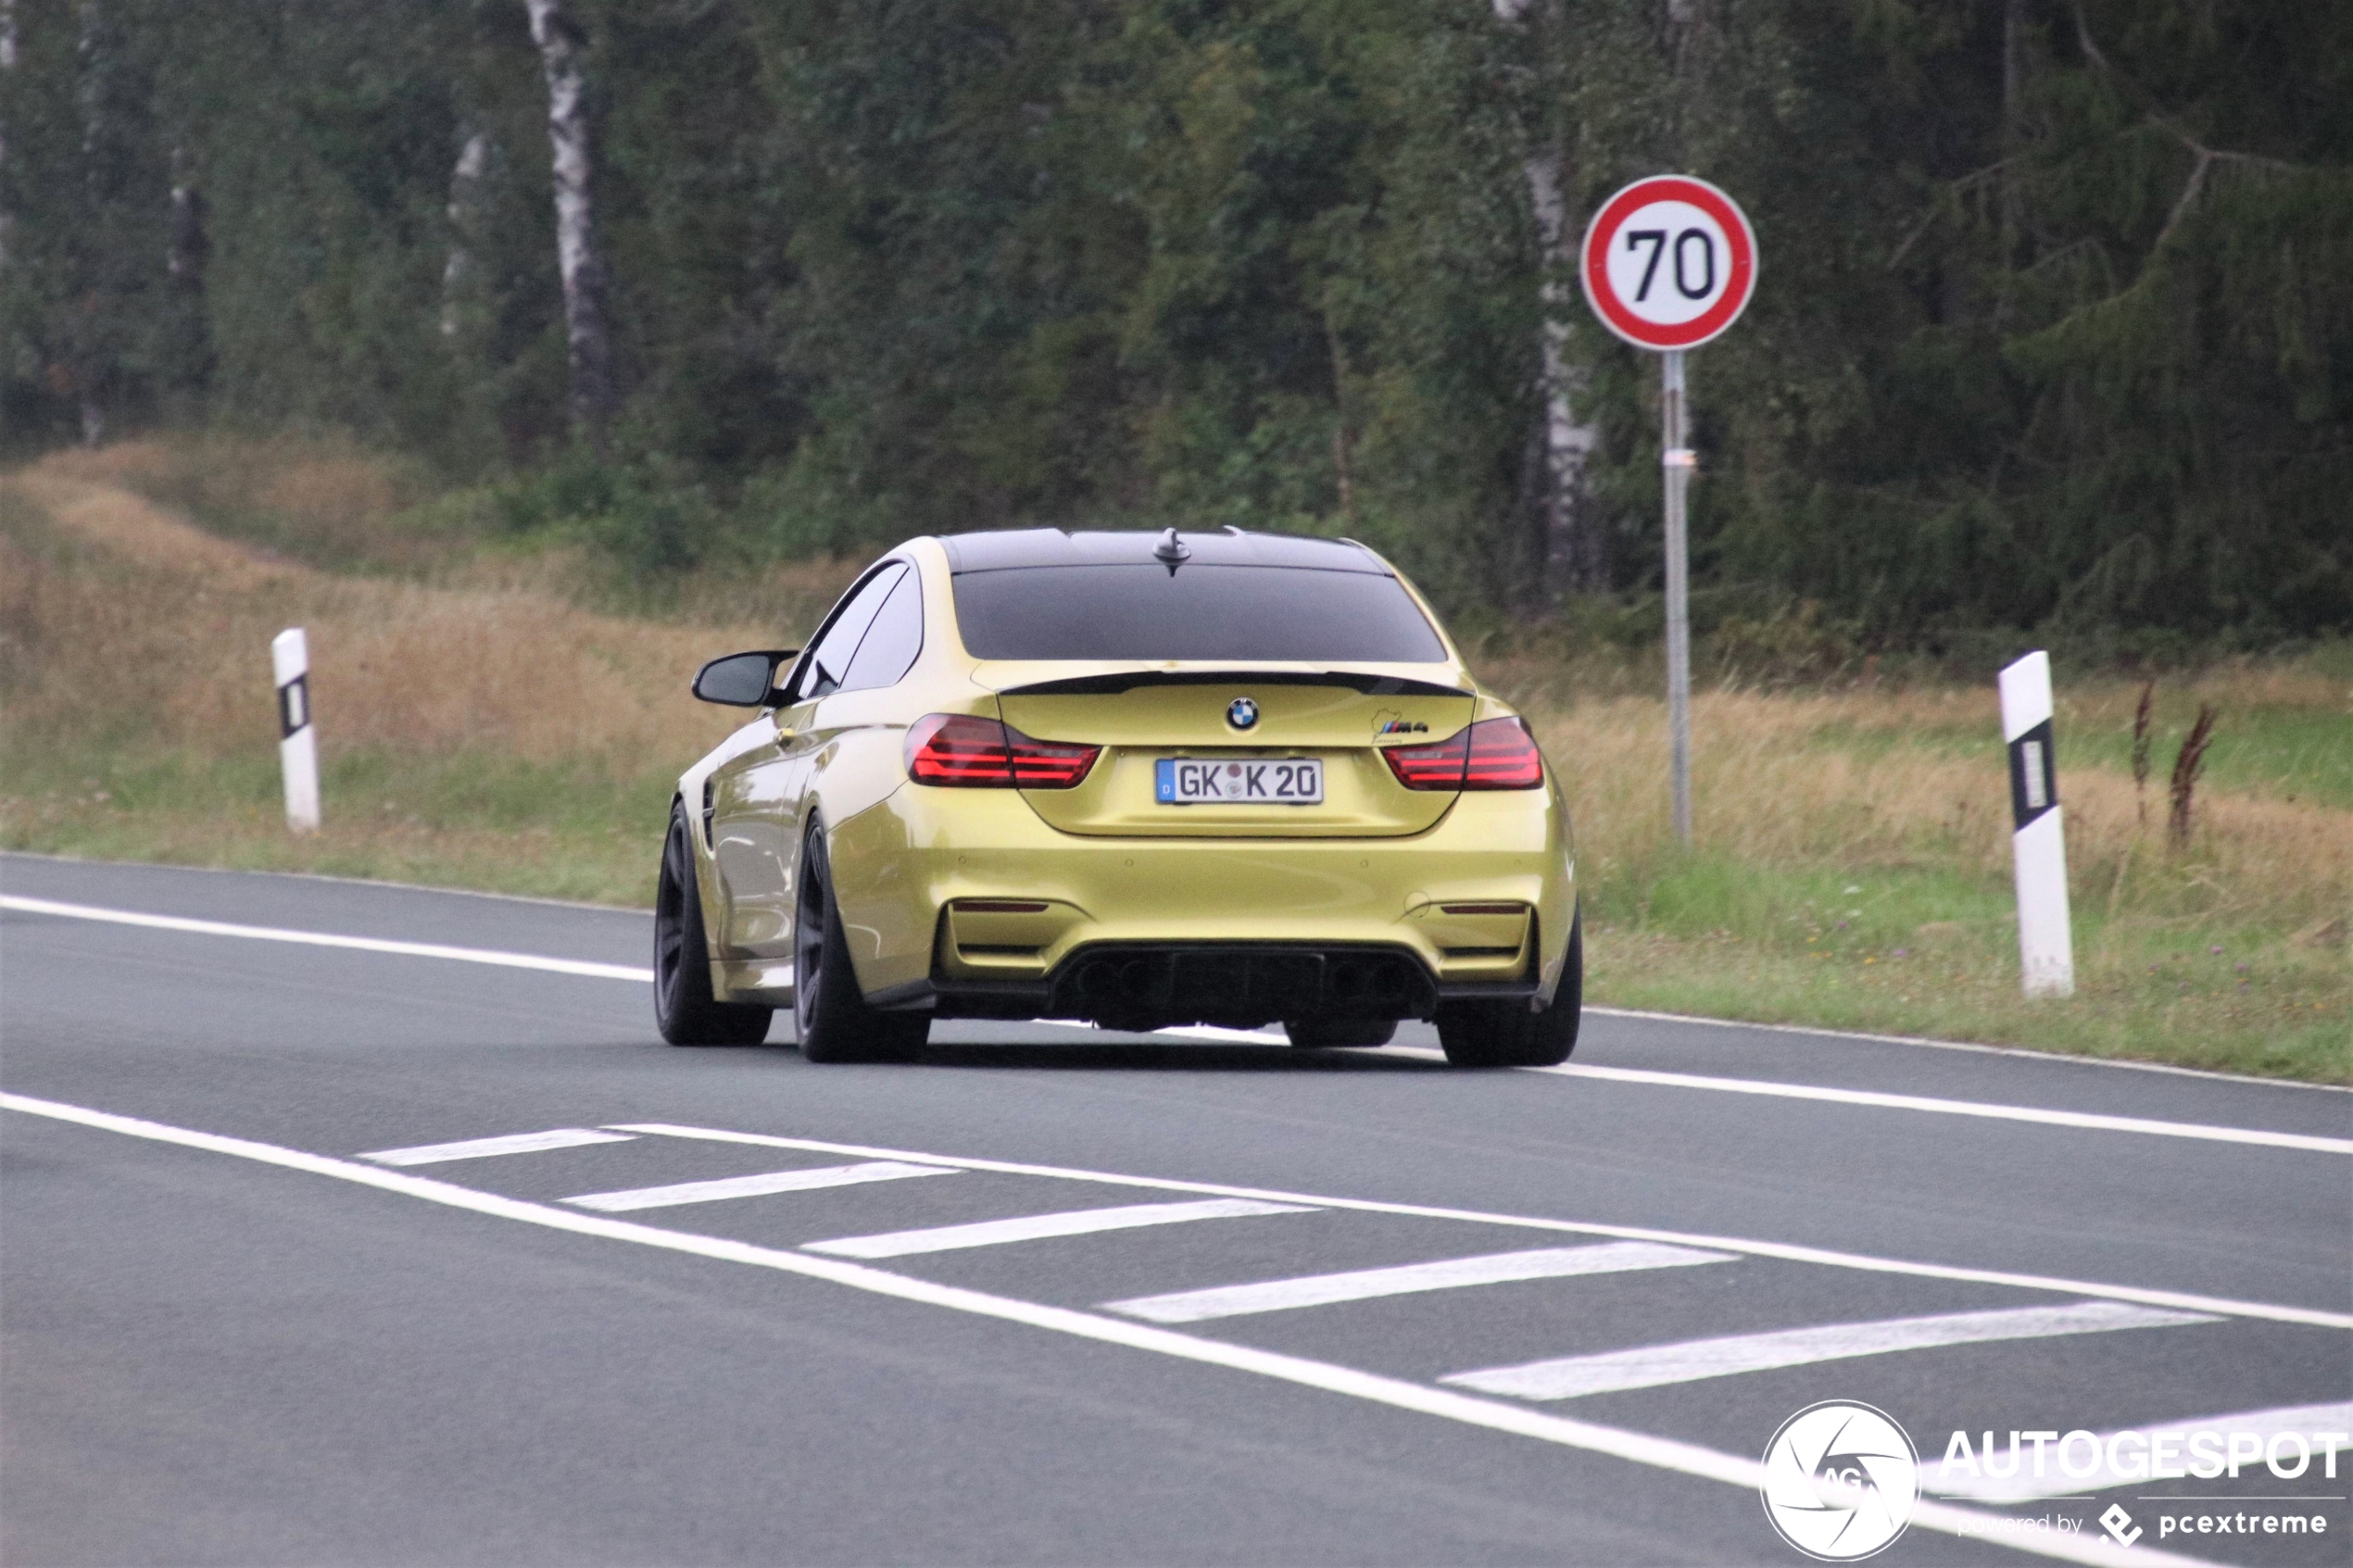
1840 1481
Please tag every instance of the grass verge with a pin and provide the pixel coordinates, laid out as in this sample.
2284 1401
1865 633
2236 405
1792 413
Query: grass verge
487 722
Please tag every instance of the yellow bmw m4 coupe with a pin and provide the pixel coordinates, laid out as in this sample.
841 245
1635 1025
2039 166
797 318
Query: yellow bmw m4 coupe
1143 779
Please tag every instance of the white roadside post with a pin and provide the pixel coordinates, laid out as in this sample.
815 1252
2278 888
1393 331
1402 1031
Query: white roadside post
2038 845
1668 263
297 741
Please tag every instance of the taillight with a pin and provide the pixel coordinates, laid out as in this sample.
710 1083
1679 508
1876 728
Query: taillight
1430 767
1491 754
1044 764
1503 756
964 751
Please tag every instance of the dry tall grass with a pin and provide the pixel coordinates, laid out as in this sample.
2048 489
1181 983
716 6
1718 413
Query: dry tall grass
144 616
1770 786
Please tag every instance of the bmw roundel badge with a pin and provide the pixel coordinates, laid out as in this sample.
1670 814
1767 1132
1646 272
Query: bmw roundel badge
1242 713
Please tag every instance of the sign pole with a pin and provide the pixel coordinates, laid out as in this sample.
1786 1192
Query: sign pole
1679 460
2038 845
297 742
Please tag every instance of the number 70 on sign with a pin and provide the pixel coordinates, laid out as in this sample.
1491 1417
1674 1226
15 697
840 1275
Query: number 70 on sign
1669 262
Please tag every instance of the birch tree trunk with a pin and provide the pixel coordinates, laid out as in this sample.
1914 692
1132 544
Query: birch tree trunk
465 206
562 43
1576 551
8 69
189 245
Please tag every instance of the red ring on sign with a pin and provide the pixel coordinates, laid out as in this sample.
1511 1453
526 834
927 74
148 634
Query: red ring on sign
1739 276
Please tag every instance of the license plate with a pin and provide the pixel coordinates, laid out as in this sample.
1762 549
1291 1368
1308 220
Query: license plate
1293 781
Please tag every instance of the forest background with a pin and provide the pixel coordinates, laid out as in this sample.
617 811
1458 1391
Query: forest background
2054 327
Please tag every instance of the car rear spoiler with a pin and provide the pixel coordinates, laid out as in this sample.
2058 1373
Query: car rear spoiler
1114 683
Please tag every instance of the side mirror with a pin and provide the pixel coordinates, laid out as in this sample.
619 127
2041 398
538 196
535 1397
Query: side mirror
743 680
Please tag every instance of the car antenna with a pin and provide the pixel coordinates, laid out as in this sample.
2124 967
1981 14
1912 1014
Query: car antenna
1171 552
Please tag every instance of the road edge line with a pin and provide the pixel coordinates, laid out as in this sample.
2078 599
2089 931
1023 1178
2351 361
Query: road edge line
2090 1121
2065 1058
581 967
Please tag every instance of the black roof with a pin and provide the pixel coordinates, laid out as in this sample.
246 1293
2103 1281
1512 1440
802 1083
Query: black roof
1053 547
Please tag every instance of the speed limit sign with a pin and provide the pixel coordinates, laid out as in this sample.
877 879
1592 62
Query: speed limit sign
1669 262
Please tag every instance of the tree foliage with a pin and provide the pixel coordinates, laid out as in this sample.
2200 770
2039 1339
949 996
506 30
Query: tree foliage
2054 318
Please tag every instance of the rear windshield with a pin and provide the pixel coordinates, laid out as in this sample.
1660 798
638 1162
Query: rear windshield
1216 613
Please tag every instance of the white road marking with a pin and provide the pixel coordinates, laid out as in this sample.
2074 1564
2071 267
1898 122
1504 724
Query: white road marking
1651 1366
754 1187
2250 1135
2212 1133
483 1148
2261 1138
1240 1036
322 939
1953 1480
1448 1274
2051 1057
1660 1453
1032 1228
2313 1317
2093 1121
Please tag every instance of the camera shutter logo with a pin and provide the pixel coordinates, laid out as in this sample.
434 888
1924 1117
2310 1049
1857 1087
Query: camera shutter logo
1242 713
1841 1480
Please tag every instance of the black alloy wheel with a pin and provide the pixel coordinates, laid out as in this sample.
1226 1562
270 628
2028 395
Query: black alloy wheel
684 1009
1505 1034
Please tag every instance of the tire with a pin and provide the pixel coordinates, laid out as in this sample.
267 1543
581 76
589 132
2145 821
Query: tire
834 1023
685 1011
1504 1033
1317 1034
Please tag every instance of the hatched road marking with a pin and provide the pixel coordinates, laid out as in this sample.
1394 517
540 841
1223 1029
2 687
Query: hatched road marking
1662 1453
2258 1138
2313 1317
1449 1274
483 1148
1033 1227
1652 1366
754 1187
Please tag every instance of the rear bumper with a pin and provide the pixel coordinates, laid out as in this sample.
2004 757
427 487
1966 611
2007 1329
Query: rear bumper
1144 987
906 869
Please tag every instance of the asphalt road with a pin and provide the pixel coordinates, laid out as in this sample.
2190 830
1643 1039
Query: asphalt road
228 1336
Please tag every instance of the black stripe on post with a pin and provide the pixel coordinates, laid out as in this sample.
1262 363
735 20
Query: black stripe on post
2033 775
294 706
